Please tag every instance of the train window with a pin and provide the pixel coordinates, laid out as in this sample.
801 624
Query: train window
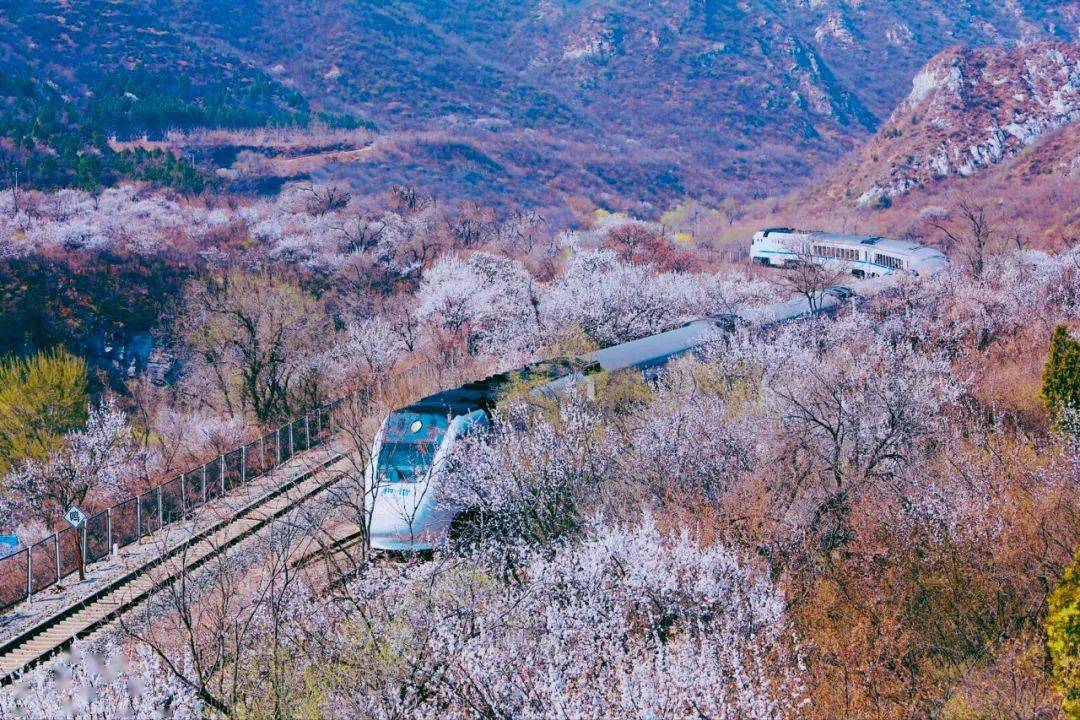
410 440
888 261
406 462
475 422
407 426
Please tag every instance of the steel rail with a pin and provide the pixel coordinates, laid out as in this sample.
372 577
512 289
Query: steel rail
81 618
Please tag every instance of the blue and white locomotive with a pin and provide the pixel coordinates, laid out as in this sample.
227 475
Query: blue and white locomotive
414 443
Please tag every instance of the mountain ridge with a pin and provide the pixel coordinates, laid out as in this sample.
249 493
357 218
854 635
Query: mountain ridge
630 105
968 109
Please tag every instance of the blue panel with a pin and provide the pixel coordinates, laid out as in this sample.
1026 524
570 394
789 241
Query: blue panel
8 544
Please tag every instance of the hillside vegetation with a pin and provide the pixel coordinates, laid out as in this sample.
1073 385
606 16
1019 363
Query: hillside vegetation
627 105
866 512
230 213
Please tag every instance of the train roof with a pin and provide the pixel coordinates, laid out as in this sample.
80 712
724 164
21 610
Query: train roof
658 349
875 241
484 394
767 231
644 353
919 254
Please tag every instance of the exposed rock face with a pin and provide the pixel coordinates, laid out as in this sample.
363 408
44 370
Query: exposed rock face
968 109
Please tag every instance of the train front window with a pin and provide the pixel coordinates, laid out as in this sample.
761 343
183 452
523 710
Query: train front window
406 462
408 447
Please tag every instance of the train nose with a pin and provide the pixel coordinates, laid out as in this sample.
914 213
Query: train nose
404 536
403 522
393 531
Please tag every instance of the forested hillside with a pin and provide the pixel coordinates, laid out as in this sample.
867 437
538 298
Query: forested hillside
856 514
622 104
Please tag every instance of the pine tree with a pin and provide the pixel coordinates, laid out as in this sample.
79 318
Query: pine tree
41 398
1061 375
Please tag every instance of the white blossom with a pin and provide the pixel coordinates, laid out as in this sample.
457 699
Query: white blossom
97 459
373 343
101 683
490 299
629 623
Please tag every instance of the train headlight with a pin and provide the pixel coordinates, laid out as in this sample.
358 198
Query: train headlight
415 427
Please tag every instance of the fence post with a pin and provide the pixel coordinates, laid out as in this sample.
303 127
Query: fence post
204 483
56 547
138 518
221 472
292 445
307 431
183 494
29 573
277 447
160 510
262 451
243 464
83 527
108 517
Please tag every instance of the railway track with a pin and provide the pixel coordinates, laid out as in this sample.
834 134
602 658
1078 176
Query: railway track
335 540
315 472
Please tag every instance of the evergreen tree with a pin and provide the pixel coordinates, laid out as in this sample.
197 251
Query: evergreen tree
1061 376
41 398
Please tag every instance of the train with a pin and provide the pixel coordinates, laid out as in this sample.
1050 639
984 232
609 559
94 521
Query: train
864 256
413 444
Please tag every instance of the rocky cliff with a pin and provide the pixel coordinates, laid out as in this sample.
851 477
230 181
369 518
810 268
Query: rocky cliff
968 109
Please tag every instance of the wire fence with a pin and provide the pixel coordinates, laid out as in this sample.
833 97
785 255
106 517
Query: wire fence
43 564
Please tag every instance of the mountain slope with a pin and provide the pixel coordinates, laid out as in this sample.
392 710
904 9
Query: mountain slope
619 102
657 100
993 129
968 109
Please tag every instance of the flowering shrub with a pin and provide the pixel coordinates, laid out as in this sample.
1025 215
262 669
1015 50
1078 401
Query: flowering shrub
628 623
99 683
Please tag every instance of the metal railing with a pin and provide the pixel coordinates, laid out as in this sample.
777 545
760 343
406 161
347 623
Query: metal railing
43 564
